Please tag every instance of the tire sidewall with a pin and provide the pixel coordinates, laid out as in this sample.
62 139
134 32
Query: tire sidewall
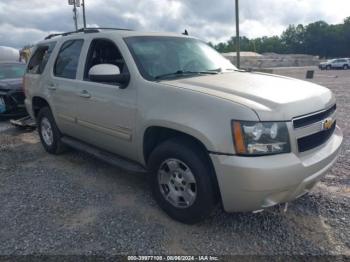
54 147
204 201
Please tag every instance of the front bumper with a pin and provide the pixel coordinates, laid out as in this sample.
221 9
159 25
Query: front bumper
13 103
253 183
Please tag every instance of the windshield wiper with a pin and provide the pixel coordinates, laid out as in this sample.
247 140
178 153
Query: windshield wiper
181 73
217 70
220 70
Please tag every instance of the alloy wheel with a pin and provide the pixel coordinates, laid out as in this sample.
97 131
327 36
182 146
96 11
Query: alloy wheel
177 183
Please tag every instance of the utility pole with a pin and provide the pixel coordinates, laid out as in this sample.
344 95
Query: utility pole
84 18
75 15
237 37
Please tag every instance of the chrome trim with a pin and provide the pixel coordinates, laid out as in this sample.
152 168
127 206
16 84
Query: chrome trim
311 114
313 128
309 129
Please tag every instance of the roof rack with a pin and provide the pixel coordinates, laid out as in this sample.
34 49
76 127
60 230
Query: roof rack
110 28
86 31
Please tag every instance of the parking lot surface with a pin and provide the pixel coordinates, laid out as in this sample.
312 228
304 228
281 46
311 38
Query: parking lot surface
76 204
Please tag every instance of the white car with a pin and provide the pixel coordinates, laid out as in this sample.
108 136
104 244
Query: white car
340 63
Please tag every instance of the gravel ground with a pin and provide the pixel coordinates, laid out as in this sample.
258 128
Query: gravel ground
76 204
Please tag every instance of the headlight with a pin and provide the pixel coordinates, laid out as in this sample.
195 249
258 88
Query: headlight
260 138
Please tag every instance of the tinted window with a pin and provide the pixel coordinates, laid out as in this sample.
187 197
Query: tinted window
8 71
103 51
68 58
40 58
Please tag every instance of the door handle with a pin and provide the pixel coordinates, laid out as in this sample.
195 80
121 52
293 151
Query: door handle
52 86
84 94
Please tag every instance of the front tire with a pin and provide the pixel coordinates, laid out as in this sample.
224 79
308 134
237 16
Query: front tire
328 67
182 180
49 133
345 67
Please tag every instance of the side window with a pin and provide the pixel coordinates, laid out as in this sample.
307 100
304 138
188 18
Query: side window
67 60
40 58
103 51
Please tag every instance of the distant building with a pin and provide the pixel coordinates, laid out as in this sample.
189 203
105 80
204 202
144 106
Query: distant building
243 54
270 60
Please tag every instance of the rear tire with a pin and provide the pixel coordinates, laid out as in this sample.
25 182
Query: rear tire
49 133
328 67
345 67
182 180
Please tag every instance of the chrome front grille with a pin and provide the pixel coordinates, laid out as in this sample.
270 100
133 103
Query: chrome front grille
315 129
313 118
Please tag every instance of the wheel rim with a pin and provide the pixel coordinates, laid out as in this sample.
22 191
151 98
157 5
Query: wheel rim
46 131
177 183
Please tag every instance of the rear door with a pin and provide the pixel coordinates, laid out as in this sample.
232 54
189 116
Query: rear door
106 113
62 86
342 62
36 75
337 63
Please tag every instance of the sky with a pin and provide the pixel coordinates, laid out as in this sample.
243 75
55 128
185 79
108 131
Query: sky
28 21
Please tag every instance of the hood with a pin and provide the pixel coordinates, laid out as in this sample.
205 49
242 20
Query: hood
272 97
11 84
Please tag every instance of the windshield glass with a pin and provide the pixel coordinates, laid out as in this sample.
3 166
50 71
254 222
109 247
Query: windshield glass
8 71
158 56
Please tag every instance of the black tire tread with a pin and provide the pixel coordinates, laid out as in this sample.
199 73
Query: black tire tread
189 152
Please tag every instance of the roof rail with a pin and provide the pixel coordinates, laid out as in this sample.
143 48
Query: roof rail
86 31
110 28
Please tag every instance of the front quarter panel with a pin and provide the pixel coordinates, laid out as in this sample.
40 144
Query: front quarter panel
205 117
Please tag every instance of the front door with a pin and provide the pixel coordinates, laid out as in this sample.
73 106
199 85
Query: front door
106 113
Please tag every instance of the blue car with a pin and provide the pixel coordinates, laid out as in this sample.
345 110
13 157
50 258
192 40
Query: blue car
11 91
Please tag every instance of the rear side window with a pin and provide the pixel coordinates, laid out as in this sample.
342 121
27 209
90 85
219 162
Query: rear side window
67 60
40 58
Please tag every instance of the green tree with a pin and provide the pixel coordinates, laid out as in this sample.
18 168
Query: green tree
292 39
318 38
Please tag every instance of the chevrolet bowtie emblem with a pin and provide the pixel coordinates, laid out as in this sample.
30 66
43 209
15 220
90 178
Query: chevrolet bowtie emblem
327 123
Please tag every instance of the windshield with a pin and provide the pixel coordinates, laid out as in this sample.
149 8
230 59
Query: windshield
8 71
159 56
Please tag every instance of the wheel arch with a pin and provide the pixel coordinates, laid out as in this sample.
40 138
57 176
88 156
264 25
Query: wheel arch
38 103
154 135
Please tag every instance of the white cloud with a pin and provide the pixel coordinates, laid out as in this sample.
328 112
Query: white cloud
24 21
17 37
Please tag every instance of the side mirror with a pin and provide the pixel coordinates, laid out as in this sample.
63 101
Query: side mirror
107 73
